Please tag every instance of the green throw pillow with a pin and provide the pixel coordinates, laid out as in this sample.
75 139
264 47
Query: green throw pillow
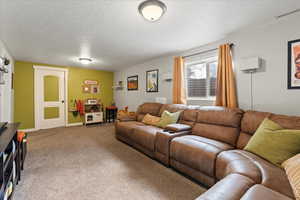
274 143
168 118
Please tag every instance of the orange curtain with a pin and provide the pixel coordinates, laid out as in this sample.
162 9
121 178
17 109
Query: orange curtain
226 87
179 96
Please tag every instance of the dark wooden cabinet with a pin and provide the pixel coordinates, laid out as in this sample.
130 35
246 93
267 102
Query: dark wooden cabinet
9 161
111 114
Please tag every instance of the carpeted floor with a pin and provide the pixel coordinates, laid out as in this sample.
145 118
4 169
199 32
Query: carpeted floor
88 163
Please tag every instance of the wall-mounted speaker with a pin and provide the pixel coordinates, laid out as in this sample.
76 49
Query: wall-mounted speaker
250 64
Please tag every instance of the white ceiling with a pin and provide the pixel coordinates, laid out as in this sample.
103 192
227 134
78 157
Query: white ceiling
114 34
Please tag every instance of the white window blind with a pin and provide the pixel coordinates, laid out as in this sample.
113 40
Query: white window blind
201 79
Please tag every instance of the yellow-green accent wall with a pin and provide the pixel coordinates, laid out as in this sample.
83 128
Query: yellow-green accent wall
24 90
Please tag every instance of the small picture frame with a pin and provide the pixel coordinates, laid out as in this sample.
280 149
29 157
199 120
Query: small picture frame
294 64
132 83
86 89
152 81
95 89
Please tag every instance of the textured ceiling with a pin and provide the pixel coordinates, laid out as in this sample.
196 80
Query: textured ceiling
114 34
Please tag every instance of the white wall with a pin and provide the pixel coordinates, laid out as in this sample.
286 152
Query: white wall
134 98
270 84
6 93
165 65
267 41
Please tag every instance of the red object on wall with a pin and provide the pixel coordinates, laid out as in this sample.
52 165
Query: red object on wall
80 107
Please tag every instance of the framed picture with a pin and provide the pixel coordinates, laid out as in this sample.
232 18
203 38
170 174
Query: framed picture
86 89
95 89
133 83
152 81
294 64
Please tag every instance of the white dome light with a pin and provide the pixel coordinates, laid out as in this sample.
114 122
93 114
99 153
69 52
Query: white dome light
152 10
85 61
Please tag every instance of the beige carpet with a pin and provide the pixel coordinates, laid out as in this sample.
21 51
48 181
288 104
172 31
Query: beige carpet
88 163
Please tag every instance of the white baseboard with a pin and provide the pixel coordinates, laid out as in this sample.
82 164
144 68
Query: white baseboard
28 130
74 124
35 129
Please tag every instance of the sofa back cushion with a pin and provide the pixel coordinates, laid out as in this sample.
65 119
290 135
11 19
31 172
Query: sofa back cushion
250 122
148 108
172 108
287 122
252 119
188 117
218 123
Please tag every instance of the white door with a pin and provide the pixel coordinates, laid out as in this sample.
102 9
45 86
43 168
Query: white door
50 96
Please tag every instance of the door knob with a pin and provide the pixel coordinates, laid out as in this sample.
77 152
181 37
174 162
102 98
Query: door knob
63 101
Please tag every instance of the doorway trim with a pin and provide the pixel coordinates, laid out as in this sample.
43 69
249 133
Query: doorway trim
36 67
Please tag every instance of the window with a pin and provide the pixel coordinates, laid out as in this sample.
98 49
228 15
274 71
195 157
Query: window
201 79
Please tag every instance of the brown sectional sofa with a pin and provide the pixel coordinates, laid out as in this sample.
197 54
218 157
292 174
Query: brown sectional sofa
207 146
215 130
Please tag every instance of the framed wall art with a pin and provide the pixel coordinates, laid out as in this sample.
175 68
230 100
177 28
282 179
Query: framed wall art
133 83
95 89
86 89
294 64
91 87
152 81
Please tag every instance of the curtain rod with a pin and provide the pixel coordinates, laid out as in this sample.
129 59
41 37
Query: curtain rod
202 52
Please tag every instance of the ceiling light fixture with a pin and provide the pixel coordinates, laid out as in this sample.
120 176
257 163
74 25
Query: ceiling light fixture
152 10
85 61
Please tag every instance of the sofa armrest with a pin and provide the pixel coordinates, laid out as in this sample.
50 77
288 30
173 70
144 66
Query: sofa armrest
235 183
178 127
162 144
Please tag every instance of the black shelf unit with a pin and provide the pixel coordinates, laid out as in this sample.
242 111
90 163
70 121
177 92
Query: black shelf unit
9 160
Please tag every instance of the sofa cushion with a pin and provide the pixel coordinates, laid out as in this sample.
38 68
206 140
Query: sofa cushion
292 169
145 136
188 117
172 108
254 167
252 119
274 143
126 128
148 108
262 192
218 123
151 120
168 118
220 116
197 152
249 124
286 122
178 127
